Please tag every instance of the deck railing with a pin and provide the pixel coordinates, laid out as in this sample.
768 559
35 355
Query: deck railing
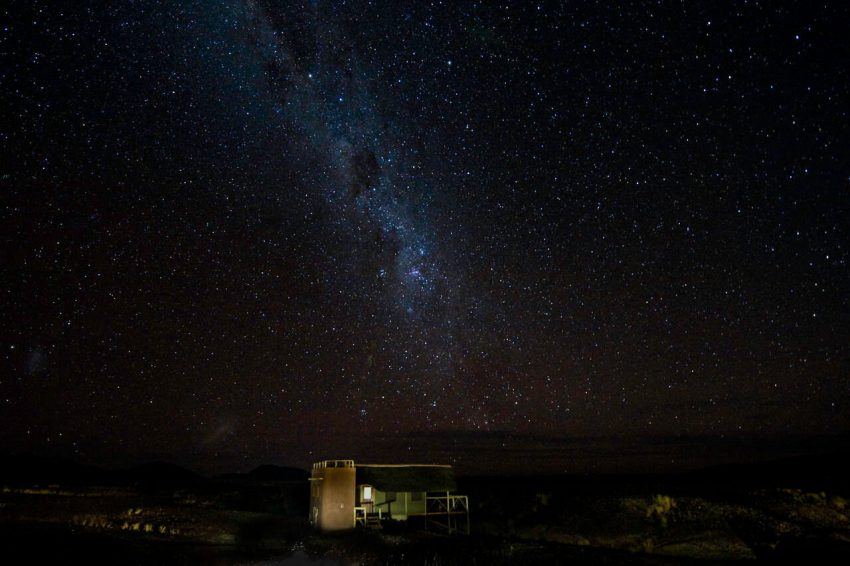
447 512
367 519
333 464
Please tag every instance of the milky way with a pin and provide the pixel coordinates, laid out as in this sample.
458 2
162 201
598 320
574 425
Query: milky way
237 232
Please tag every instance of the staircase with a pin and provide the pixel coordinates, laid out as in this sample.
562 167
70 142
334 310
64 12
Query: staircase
373 521
367 519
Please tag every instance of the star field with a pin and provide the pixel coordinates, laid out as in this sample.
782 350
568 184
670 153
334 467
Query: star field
244 231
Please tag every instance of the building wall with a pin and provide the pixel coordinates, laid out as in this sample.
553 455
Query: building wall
403 505
332 498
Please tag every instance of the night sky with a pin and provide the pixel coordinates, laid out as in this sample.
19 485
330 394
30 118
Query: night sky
238 232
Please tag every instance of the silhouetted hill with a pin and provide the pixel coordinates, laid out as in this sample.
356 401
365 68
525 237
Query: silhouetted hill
269 472
829 472
38 470
157 473
814 472
26 469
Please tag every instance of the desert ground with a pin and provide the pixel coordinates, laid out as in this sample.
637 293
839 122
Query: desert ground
163 514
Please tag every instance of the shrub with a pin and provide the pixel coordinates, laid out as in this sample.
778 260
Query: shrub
660 508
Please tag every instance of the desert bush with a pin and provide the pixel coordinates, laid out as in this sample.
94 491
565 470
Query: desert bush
660 508
815 498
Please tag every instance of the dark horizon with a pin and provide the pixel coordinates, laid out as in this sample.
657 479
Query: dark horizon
504 453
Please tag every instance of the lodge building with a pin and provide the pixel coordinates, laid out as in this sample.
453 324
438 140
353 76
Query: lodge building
346 496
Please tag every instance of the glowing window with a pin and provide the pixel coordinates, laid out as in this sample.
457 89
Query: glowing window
367 493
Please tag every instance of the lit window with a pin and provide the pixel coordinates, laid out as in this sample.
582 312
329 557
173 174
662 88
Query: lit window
367 493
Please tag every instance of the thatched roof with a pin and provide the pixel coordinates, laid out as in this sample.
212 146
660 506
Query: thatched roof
412 477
